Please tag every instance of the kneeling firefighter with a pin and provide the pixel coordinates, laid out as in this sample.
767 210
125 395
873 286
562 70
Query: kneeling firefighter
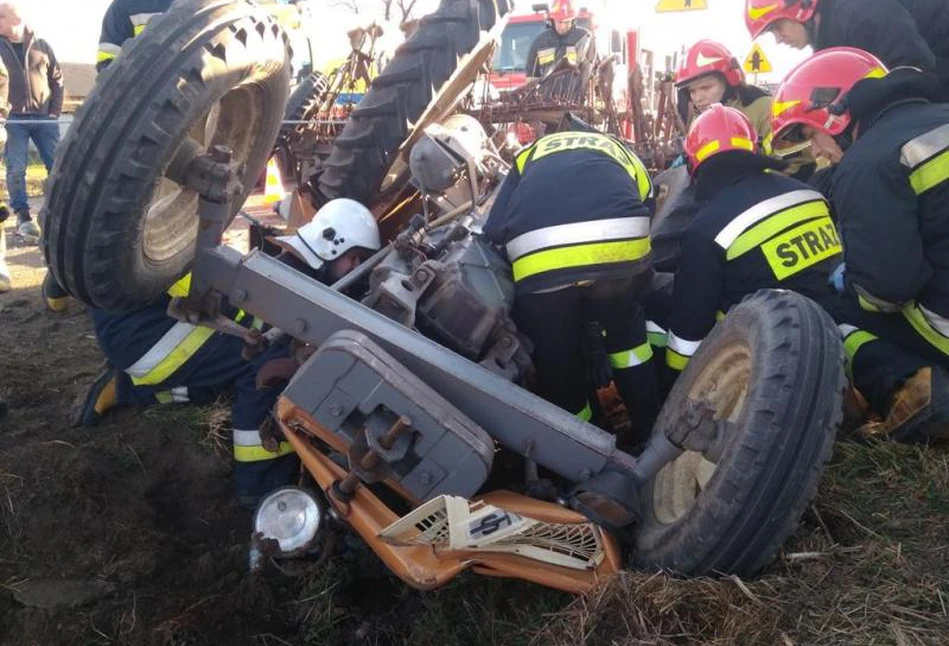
756 229
573 218
890 191
156 359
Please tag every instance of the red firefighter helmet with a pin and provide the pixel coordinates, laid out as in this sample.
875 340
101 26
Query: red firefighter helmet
718 130
708 57
563 11
761 14
813 93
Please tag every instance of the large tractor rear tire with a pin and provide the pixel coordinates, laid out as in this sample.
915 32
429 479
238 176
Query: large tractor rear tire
773 372
117 232
396 98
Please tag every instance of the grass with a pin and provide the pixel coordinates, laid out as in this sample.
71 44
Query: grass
35 176
870 565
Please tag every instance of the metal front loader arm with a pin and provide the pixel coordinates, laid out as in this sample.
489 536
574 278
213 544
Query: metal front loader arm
311 312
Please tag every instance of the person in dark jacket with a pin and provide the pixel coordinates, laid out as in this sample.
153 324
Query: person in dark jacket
755 229
890 192
573 218
125 19
35 93
156 359
912 33
564 39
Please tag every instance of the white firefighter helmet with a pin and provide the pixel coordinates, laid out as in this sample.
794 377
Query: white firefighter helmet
342 224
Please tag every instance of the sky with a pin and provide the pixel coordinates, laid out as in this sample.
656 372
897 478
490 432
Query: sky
72 27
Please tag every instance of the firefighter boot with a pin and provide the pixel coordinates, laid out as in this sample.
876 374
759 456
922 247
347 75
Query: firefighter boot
55 297
101 397
919 409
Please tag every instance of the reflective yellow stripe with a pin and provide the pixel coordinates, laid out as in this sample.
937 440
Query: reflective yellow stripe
104 56
866 305
711 147
762 211
138 29
741 142
522 159
675 360
631 358
175 358
575 233
755 13
852 344
593 254
767 229
566 141
931 174
802 247
719 315
917 318
259 453
182 287
545 56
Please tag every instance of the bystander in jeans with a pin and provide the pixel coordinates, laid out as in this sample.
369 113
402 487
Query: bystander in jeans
35 95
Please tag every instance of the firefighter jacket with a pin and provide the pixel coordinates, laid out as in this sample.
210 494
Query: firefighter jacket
149 345
33 85
755 229
550 47
913 33
891 195
573 208
123 20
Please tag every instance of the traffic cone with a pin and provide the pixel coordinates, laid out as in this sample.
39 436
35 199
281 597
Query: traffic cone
273 189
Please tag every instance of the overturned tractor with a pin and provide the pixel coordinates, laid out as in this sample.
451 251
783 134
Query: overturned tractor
411 399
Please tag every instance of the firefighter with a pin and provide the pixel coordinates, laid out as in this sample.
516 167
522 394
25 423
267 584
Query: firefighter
156 359
899 32
755 229
890 192
125 19
563 39
710 75
573 218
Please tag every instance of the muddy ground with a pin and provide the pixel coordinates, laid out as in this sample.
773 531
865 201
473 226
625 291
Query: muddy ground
126 534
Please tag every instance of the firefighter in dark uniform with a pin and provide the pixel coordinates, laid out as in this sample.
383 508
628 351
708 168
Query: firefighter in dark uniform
755 229
573 218
563 39
155 359
125 19
913 33
890 192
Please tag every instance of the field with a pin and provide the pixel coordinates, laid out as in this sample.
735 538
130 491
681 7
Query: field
126 534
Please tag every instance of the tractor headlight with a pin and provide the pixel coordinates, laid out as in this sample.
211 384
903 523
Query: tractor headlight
292 517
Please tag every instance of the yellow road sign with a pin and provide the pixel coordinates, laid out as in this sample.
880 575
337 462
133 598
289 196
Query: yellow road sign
756 62
681 5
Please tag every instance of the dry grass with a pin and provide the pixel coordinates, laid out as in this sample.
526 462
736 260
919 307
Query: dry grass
870 565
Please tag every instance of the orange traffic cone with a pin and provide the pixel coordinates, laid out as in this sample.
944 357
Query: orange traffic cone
273 189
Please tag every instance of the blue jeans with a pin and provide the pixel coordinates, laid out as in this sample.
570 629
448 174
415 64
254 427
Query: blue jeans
21 128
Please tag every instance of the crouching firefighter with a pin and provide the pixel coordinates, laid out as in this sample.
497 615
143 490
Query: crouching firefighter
573 218
756 229
890 191
156 359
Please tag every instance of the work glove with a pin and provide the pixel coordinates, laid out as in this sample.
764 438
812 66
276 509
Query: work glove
836 279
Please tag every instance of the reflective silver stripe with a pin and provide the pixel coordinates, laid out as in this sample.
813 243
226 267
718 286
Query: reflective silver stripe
110 48
762 210
846 330
142 18
247 438
654 328
682 346
578 233
178 333
939 323
180 395
925 147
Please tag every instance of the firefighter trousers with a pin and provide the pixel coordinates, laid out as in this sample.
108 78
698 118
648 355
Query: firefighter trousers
555 322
